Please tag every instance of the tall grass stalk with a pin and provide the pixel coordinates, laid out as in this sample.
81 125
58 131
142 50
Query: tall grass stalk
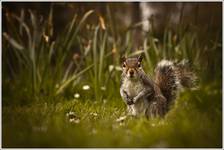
48 64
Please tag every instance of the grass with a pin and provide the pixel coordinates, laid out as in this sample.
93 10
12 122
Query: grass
46 124
41 76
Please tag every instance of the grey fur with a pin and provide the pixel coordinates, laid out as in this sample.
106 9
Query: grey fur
152 99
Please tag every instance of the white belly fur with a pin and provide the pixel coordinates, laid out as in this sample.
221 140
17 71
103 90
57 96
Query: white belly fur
133 89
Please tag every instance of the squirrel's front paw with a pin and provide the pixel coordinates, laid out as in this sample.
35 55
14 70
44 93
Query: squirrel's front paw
130 102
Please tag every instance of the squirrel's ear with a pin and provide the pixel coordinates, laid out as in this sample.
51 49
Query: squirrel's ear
123 59
140 58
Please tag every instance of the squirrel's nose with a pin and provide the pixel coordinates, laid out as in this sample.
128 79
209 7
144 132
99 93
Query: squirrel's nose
131 72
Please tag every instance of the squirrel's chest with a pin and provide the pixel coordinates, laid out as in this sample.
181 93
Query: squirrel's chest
132 87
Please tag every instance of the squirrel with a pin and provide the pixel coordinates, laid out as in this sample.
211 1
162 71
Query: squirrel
148 97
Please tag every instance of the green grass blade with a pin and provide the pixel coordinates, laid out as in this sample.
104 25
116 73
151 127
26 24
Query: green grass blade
68 81
102 51
13 42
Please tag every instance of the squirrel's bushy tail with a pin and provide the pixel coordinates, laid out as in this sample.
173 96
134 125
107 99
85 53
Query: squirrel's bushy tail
171 77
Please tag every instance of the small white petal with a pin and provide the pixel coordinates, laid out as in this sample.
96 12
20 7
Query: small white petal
71 120
76 95
103 88
71 113
94 114
111 67
86 87
77 121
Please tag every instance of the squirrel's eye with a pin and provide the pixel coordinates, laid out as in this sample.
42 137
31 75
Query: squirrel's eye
139 65
124 65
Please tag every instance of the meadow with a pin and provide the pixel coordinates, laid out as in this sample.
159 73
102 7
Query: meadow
64 92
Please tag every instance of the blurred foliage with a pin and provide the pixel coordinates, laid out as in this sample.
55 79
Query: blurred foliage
41 75
195 117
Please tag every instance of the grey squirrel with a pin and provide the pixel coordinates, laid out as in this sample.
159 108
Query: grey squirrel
152 98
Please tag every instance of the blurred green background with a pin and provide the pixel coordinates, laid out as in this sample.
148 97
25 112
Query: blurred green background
63 59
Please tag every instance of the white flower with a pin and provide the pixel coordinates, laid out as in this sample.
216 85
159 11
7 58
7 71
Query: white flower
73 120
111 67
76 95
86 87
93 114
103 88
70 113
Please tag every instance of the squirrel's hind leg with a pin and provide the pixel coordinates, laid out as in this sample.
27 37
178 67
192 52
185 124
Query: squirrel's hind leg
157 108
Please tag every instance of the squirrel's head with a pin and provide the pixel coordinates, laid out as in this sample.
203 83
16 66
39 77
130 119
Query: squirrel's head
132 66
